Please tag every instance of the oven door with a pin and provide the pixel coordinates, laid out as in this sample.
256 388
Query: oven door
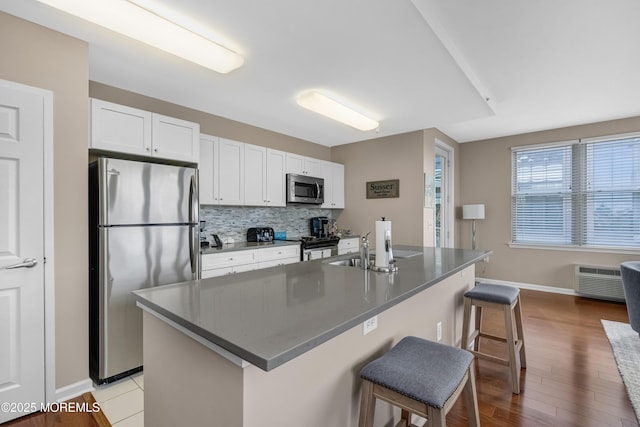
319 253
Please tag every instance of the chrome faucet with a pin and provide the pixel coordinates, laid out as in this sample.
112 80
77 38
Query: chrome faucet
364 252
388 249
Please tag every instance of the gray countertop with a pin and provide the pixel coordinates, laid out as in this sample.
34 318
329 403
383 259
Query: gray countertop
269 316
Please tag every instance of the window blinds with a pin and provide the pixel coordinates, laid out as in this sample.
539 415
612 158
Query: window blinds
578 194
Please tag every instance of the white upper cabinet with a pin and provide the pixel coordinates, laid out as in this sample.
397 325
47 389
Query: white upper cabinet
230 172
276 178
208 156
302 165
118 128
264 176
175 139
333 174
129 130
255 171
221 170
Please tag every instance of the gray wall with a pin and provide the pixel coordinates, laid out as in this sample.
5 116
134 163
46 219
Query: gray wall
36 56
485 170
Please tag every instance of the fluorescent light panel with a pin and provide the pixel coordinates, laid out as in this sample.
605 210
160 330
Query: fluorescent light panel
137 23
322 104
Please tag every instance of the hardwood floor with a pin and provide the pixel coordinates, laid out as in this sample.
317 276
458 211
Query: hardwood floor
64 419
571 377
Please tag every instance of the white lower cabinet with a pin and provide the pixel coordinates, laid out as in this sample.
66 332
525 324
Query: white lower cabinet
220 264
348 245
270 257
228 262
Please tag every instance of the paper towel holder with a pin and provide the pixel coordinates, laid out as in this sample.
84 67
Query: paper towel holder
391 267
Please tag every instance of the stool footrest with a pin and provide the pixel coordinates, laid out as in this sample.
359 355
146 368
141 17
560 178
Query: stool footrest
492 337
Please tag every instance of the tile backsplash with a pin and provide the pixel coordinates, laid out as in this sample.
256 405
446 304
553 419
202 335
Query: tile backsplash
230 223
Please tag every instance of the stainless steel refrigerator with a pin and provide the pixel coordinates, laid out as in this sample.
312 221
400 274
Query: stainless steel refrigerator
143 220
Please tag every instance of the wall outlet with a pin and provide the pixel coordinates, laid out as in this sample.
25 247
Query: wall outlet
369 325
439 331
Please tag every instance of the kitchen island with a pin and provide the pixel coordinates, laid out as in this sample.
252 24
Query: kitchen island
284 345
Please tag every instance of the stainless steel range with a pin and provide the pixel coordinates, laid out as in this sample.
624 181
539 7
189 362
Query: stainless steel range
318 247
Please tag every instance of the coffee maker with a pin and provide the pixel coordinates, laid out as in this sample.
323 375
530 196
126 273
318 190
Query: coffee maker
319 226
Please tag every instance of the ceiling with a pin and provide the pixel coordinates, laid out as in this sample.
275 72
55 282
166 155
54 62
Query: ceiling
474 70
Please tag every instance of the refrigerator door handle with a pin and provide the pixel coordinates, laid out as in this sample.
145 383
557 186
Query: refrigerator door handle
193 219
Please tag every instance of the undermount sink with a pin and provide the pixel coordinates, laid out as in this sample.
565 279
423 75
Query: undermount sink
351 262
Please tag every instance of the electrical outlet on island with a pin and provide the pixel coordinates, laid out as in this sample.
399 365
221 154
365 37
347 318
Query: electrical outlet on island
369 325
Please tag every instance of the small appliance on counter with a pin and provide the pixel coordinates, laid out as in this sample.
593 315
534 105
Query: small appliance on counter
260 234
319 226
204 243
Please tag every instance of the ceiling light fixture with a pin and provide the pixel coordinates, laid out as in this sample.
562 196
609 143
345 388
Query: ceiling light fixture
138 23
322 104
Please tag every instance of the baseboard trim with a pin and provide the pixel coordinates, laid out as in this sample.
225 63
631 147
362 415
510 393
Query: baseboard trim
74 390
551 289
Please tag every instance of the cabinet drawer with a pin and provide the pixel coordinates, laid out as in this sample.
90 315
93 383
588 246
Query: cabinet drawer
228 259
275 262
269 254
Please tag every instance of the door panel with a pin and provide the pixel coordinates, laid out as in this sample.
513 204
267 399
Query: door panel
145 193
21 236
135 258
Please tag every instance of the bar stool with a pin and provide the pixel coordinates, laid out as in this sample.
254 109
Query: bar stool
420 377
507 299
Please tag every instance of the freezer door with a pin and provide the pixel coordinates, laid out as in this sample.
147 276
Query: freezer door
134 258
146 193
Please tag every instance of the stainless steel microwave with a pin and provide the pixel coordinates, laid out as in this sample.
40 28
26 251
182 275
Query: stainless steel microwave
305 189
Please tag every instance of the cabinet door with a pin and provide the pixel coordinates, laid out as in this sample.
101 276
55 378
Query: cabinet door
327 175
208 155
313 167
175 139
337 185
295 164
230 173
118 128
255 173
275 178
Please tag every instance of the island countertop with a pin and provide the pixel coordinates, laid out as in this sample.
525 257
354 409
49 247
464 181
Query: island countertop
269 316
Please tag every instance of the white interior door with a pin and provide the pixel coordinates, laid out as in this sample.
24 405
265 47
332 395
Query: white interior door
22 338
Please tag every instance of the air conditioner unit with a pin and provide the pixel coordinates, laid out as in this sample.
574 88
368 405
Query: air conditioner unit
599 282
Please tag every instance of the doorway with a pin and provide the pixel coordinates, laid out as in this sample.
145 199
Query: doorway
443 183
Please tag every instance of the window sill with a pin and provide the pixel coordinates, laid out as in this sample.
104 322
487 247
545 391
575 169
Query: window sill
623 251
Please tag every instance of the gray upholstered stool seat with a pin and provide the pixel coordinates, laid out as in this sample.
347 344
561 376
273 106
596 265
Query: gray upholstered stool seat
506 299
500 294
421 377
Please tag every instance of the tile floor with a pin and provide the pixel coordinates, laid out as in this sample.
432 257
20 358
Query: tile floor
123 401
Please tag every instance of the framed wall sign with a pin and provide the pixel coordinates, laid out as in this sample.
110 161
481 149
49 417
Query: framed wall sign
383 189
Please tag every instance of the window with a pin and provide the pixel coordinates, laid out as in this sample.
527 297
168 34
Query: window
580 193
